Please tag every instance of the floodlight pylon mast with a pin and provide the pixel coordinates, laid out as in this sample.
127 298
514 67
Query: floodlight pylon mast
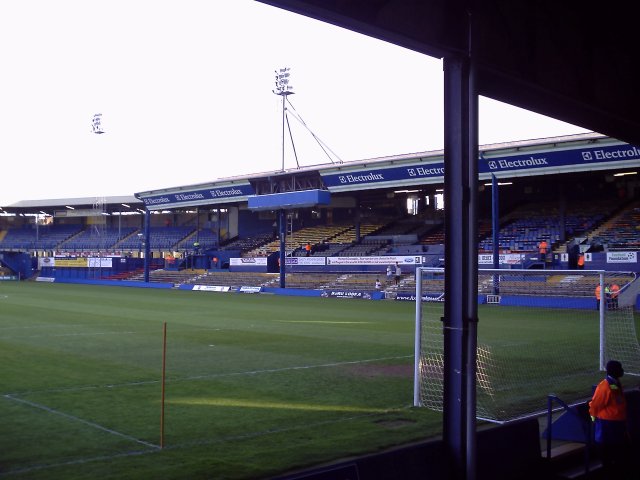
284 90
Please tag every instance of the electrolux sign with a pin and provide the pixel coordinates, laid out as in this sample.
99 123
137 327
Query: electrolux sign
209 195
382 175
572 160
576 159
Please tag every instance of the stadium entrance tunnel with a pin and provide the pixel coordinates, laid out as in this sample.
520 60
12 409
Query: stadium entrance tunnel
19 263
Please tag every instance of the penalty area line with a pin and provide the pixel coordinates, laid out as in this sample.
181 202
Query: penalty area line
81 420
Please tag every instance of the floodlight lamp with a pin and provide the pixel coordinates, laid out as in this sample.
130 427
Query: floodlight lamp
499 184
70 208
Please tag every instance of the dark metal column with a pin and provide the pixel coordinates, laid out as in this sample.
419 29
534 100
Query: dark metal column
461 265
283 244
147 243
495 221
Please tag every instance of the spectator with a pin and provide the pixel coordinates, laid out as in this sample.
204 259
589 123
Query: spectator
598 295
308 248
542 248
608 410
378 284
389 273
398 274
581 261
614 292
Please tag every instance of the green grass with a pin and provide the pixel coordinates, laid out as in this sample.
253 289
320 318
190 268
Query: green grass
257 385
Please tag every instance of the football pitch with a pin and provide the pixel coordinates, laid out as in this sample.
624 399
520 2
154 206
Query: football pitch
256 385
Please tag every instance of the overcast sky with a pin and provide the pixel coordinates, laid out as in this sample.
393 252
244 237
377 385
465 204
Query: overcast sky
185 92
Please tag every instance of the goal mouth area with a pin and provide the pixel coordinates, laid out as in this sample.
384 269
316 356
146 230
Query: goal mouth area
539 332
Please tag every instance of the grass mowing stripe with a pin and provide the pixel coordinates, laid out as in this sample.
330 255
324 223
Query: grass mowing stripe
287 383
213 375
81 461
198 443
68 335
275 431
286 369
77 419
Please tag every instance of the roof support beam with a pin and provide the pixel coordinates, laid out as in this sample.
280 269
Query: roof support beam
461 266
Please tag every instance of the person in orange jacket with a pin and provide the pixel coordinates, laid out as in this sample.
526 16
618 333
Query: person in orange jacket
542 249
598 294
615 291
608 410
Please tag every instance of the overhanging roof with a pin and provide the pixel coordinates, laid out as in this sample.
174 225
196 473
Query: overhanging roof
569 60
25 205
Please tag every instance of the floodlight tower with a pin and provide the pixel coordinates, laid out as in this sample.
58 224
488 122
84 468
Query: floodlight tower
283 89
96 124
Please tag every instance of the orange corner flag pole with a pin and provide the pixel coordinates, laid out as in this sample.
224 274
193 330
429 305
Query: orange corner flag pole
164 364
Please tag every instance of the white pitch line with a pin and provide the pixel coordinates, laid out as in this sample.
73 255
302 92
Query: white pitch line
211 375
284 369
42 325
216 441
80 420
79 461
272 431
88 334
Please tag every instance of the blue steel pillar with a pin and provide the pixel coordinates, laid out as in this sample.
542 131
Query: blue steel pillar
495 220
283 243
495 227
147 243
461 266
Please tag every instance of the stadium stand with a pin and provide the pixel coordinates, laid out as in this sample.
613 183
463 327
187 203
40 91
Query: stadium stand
621 232
206 237
526 226
316 235
234 279
42 238
162 238
247 244
92 239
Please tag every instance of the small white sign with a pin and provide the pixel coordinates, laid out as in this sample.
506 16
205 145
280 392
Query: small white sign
622 257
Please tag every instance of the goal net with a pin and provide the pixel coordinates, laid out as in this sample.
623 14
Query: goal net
540 332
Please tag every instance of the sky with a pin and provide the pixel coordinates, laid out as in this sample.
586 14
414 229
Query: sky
184 90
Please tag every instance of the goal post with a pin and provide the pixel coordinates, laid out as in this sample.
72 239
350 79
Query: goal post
539 332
